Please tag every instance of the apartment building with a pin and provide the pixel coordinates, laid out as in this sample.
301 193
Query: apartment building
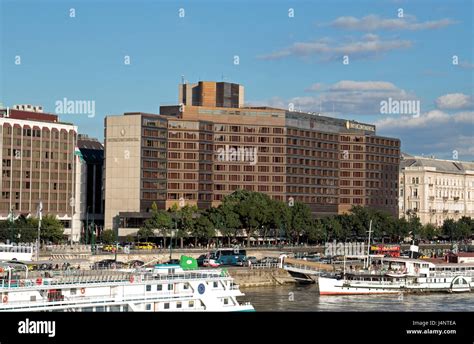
436 189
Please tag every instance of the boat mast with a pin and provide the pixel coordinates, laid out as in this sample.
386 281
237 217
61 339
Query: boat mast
368 244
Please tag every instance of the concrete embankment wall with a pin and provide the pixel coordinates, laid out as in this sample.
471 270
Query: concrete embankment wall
245 277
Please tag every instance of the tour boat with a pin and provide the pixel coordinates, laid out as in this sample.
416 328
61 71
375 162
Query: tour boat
395 275
161 288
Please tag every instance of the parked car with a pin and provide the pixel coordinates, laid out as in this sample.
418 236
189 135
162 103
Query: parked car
268 260
108 264
252 260
145 246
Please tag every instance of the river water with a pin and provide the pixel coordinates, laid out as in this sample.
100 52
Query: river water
306 298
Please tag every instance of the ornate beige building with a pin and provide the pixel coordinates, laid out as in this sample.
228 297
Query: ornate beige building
435 189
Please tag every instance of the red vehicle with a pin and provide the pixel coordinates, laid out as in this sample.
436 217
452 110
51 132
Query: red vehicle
386 250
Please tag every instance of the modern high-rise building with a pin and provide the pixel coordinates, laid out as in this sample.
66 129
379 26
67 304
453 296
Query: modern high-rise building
38 165
91 186
435 190
207 152
211 93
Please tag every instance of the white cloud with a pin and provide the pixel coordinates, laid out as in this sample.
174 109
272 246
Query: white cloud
426 119
454 101
374 22
315 87
344 98
368 46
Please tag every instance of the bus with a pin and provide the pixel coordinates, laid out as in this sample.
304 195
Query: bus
226 256
386 250
10 252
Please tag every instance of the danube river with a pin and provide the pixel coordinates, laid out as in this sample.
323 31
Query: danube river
306 298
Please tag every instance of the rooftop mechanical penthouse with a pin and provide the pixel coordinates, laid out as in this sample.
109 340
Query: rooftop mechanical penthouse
195 155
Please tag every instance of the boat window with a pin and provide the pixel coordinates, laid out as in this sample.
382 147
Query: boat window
159 287
226 301
148 306
148 287
73 291
167 305
33 298
170 287
186 286
215 284
191 304
179 304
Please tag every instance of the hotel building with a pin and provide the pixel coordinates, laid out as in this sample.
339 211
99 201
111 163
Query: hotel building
435 189
38 164
196 154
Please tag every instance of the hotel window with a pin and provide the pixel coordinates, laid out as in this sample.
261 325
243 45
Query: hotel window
249 169
190 155
249 178
263 140
189 166
234 128
234 178
278 140
264 130
232 168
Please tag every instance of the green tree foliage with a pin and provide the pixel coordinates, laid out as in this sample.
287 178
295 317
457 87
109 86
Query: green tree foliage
160 220
108 236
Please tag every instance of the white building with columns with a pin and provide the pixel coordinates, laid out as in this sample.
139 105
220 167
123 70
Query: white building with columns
435 189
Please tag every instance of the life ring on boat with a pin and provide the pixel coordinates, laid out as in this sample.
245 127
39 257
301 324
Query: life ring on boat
83 290
22 283
39 281
417 270
132 279
5 299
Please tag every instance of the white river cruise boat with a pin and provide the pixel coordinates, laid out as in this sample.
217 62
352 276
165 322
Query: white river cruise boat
398 275
161 288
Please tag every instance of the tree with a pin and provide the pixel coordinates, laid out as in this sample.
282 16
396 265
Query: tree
333 228
415 226
186 221
52 230
429 231
252 209
280 217
449 228
160 220
108 236
300 222
203 228
146 232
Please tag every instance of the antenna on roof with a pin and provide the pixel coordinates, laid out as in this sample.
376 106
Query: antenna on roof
182 79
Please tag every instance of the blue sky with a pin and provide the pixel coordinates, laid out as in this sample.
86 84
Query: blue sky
282 60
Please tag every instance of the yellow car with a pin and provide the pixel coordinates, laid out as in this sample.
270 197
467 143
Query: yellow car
145 246
110 248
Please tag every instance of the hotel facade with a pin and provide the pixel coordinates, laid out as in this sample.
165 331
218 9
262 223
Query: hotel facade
195 155
435 190
38 165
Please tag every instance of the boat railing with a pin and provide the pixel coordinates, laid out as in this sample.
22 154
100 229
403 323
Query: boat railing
95 300
109 278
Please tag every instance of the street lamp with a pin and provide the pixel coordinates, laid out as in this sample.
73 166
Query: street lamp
291 203
40 217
